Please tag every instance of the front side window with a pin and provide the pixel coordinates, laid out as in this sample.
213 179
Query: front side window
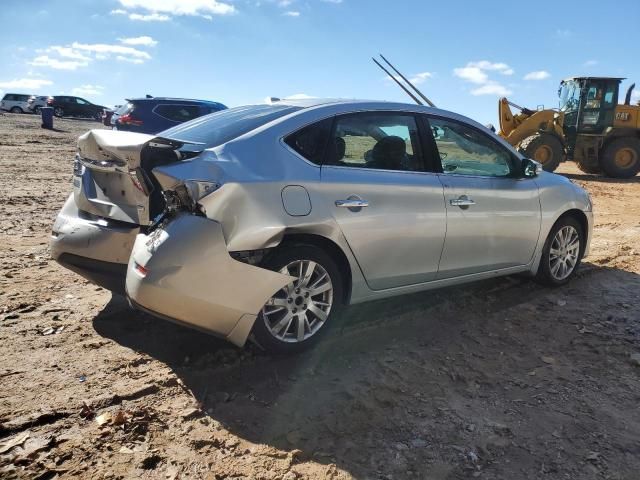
310 142
466 151
376 140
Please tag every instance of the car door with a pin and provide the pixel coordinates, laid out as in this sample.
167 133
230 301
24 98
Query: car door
493 213
83 108
390 210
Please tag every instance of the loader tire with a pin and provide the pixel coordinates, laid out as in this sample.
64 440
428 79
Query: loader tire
621 158
588 168
543 148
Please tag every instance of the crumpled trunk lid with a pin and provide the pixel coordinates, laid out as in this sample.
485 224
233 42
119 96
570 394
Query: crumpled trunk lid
108 181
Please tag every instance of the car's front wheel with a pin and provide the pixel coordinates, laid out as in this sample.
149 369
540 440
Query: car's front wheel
58 112
562 252
295 317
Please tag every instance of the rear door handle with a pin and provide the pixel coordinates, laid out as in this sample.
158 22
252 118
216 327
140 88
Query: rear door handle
352 203
461 201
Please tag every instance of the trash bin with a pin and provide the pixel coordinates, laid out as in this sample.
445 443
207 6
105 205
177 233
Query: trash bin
47 117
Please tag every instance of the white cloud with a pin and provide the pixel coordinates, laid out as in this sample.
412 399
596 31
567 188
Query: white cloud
105 48
476 72
46 61
25 84
492 88
503 68
419 78
67 52
87 90
590 63
118 11
332 1
471 74
299 96
145 41
284 3
537 75
291 13
201 8
152 17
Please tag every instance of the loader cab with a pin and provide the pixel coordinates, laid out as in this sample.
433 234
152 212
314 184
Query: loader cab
588 104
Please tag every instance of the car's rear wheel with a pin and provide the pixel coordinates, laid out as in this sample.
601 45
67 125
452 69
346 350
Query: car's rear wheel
296 316
36 110
562 252
16 110
58 112
98 116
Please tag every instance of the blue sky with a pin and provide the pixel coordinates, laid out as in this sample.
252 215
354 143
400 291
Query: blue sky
463 54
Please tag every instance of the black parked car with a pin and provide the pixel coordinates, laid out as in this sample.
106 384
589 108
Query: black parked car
67 106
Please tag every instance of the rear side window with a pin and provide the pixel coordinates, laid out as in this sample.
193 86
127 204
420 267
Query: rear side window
124 109
178 113
225 125
311 141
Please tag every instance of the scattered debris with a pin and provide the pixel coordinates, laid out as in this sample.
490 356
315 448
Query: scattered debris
14 442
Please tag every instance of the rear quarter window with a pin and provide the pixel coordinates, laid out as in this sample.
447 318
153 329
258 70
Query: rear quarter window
178 113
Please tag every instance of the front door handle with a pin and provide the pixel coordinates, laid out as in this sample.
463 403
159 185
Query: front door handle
462 201
352 203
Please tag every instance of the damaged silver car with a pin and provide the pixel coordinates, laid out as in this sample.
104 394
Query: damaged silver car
266 220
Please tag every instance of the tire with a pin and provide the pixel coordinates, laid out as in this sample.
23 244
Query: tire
98 116
36 110
550 275
291 301
621 158
588 168
544 148
58 112
16 110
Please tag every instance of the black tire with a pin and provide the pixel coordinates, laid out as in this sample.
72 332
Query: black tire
588 168
58 112
544 148
621 158
98 116
545 274
36 110
16 110
282 257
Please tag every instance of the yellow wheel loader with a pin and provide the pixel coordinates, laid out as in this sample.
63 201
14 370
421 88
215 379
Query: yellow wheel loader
590 128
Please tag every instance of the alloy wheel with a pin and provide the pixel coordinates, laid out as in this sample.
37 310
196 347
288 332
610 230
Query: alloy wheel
564 252
300 309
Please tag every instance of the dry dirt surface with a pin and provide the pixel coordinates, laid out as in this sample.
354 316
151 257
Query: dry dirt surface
501 379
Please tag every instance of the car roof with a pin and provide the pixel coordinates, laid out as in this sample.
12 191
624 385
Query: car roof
170 99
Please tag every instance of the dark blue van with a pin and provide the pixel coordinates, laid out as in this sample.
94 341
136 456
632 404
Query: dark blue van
155 114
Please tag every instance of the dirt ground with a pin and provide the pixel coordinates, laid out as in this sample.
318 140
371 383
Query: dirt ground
501 379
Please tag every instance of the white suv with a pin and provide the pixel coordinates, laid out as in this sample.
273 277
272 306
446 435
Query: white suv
35 103
15 102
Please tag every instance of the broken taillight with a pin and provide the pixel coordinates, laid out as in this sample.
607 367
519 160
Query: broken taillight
142 271
128 120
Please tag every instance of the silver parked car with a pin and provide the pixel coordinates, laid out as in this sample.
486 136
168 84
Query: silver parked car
266 220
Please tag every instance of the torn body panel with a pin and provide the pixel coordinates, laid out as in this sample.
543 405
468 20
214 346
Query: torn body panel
105 182
183 271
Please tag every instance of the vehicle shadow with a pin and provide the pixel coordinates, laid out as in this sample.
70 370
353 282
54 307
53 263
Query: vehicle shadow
599 178
401 387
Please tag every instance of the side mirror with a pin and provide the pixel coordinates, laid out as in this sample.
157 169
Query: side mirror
531 168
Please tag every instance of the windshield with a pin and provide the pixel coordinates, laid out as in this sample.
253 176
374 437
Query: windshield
569 96
221 127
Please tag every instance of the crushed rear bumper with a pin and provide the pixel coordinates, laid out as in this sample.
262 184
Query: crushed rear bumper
183 272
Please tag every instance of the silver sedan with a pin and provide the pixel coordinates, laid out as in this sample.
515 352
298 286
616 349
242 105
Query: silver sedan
266 220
